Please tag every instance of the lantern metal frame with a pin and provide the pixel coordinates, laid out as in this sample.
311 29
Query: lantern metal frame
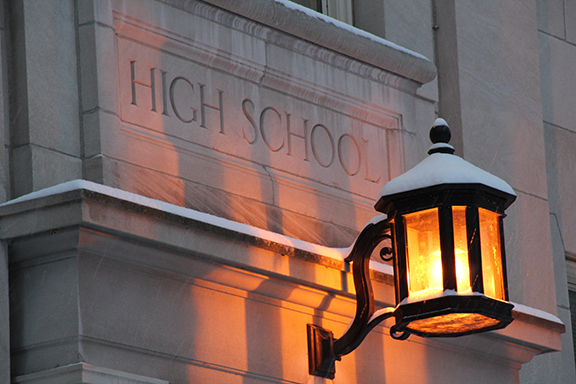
444 197
324 349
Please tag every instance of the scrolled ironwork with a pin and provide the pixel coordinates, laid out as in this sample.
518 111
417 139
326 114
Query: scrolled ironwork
365 319
386 254
370 237
398 336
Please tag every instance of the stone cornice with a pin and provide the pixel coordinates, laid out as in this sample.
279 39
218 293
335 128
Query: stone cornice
132 230
336 36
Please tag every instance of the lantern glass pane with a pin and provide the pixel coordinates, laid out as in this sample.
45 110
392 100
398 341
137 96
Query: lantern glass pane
461 250
424 259
492 271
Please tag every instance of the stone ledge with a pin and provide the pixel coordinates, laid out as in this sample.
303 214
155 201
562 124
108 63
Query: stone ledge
52 212
251 256
85 373
334 35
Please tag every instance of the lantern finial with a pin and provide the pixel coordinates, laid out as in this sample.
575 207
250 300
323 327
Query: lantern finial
440 136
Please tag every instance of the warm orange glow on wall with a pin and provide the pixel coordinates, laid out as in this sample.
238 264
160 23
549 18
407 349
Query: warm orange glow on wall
491 258
424 257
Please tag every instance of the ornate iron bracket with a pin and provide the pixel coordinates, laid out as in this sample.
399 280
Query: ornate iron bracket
323 349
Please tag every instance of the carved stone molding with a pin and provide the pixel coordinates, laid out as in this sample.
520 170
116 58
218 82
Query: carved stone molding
84 373
335 35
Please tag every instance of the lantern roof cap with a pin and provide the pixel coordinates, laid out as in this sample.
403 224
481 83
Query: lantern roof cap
443 167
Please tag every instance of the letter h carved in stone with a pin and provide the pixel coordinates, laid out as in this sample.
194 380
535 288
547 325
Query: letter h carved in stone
135 82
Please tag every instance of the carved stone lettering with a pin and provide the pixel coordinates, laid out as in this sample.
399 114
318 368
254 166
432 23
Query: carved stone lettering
271 121
175 108
248 110
194 105
349 154
204 106
322 144
368 177
303 136
151 85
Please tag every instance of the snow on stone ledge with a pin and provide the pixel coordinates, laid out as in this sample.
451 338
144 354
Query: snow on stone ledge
359 32
521 308
334 35
333 253
442 168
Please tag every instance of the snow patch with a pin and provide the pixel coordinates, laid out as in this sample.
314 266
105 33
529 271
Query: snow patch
536 313
439 122
348 27
517 307
442 168
380 312
333 253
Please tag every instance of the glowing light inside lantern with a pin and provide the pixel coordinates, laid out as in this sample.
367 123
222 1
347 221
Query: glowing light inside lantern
492 270
461 250
424 255
424 259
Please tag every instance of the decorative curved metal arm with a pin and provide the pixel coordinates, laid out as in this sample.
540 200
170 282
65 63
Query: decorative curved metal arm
323 349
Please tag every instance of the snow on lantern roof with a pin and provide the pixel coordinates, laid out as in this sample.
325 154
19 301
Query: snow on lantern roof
442 167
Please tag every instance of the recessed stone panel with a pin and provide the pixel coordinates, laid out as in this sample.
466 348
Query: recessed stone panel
570 19
551 17
243 109
558 81
561 162
529 257
188 104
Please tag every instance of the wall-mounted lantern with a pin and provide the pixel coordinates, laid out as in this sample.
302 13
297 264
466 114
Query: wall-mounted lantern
444 220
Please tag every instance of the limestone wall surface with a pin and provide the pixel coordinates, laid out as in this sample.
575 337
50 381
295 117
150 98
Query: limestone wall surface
272 116
556 39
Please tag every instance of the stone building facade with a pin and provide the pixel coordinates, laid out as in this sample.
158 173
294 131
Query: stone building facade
179 179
